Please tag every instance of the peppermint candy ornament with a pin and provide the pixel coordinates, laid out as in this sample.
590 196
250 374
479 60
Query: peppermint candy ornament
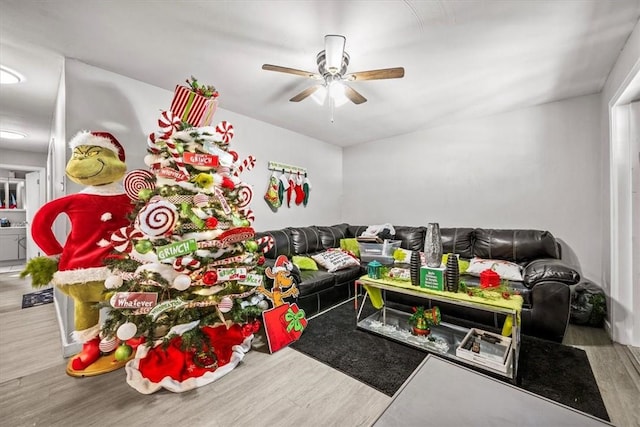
225 129
157 218
121 238
168 122
136 180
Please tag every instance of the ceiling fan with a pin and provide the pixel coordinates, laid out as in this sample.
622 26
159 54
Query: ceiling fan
332 68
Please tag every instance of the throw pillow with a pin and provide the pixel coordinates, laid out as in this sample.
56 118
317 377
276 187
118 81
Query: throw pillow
402 256
505 269
304 262
335 259
350 245
463 264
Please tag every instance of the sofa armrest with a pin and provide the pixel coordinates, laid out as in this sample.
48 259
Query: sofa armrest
549 269
549 314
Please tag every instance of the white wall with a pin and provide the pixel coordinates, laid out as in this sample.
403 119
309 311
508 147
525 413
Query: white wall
101 100
533 168
618 256
23 158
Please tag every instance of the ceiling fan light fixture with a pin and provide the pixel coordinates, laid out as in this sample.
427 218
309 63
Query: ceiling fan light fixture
336 92
9 76
334 50
11 134
320 95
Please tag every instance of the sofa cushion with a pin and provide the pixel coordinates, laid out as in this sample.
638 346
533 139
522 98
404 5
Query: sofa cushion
549 269
506 269
335 259
356 230
315 281
305 240
349 274
350 245
304 262
457 241
412 238
331 235
281 243
515 245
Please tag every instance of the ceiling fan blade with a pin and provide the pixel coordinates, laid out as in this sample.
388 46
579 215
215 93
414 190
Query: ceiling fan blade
386 73
287 70
305 93
353 95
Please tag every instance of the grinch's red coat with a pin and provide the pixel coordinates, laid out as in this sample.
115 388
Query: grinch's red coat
95 214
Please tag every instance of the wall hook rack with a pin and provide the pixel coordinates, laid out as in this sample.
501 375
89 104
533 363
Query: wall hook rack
284 168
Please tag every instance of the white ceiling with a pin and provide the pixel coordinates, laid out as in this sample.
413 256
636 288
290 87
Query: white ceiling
462 59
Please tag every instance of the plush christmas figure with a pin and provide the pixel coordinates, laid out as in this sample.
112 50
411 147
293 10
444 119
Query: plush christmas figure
76 267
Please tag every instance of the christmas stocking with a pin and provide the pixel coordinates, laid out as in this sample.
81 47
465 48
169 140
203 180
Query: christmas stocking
283 186
306 187
299 190
290 189
271 196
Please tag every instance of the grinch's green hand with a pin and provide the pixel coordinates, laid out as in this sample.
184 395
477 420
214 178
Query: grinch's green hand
41 270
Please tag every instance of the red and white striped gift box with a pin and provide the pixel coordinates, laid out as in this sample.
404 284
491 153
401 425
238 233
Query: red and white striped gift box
192 108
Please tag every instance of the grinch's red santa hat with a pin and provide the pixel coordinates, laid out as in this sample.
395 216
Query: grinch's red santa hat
282 264
100 139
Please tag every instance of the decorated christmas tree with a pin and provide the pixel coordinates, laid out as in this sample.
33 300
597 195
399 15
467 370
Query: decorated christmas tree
183 289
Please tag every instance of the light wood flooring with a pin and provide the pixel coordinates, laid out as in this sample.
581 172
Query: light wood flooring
283 389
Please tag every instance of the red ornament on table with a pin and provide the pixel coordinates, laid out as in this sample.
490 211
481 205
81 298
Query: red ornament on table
489 279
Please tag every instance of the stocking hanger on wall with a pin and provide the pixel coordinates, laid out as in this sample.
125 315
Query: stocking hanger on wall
284 168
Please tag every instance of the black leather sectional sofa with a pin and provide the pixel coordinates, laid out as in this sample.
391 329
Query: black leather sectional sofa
545 286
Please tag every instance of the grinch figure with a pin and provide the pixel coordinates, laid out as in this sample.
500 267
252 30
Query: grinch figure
77 266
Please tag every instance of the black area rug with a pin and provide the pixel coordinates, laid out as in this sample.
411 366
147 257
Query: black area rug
557 372
33 299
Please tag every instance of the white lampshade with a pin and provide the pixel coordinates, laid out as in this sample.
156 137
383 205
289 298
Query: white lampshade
334 49
336 91
320 95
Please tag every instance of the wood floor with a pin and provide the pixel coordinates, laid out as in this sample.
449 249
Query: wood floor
283 389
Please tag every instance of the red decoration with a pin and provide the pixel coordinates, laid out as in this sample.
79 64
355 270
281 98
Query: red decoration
211 222
261 260
193 108
179 364
489 279
283 324
210 277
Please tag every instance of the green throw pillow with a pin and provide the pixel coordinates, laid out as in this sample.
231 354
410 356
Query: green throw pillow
304 263
350 245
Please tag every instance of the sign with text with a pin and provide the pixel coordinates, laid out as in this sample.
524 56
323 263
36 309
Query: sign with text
134 300
200 159
177 249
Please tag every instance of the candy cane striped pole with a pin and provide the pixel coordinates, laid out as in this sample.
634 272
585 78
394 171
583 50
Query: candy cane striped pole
248 213
248 163
177 158
151 143
268 241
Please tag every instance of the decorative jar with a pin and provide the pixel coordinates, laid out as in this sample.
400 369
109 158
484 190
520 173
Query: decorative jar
433 245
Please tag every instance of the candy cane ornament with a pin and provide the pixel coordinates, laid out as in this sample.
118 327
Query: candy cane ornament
177 157
248 213
151 143
267 241
247 164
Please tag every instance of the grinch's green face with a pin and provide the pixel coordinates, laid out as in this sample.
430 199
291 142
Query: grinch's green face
93 165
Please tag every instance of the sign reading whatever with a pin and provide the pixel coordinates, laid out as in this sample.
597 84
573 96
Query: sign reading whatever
134 300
